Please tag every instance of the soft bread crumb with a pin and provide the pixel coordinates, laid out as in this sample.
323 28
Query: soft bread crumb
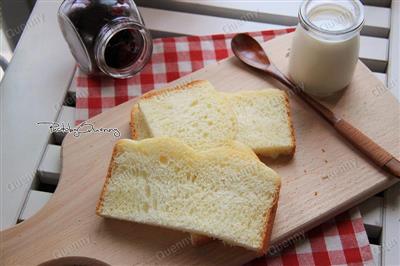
194 113
261 118
264 122
222 193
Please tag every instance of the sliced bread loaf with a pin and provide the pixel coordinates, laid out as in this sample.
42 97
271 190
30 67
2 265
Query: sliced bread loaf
194 113
262 117
222 193
264 122
196 239
140 131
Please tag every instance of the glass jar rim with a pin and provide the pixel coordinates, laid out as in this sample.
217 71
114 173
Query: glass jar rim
107 32
357 24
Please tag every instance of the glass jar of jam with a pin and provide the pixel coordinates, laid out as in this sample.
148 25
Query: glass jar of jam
106 36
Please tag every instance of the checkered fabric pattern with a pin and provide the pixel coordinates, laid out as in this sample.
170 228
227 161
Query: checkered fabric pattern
340 241
172 58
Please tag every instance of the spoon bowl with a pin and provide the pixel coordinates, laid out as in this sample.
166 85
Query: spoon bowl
250 52
248 49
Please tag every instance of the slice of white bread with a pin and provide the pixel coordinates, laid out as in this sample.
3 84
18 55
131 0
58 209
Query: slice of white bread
196 239
259 114
264 121
222 193
194 113
139 131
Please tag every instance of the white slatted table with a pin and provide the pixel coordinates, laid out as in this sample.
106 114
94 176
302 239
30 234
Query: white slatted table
31 156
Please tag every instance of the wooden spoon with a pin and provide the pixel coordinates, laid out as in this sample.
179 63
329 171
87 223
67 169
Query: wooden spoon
250 52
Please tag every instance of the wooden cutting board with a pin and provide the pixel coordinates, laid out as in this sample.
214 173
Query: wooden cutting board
325 177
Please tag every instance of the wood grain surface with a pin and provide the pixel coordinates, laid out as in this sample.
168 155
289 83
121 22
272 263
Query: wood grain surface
325 177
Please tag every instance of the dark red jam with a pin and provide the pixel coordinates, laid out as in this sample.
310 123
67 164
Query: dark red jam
106 35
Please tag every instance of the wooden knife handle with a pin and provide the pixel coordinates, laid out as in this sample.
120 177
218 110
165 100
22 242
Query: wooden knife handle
376 153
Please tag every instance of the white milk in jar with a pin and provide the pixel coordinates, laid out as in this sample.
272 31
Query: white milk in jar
325 45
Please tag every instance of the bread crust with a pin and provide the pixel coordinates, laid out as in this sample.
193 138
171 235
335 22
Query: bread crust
199 240
116 150
134 130
185 86
269 224
290 122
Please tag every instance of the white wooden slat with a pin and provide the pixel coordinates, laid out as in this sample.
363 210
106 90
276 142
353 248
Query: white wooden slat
5 51
35 82
67 118
382 77
70 99
391 212
390 244
372 213
377 19
72 87
394 51
163 22
391 227
34 202
50 166
377 254
373 51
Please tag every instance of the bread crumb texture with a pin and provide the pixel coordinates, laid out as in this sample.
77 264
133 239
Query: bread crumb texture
263 121
196 114
204 118
223 193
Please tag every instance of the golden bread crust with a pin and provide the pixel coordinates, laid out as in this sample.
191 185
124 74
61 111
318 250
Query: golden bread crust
116 150
270 222
290 121
134 113
199 240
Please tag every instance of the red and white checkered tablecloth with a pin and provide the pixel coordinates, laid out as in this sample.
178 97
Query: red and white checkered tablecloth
340 241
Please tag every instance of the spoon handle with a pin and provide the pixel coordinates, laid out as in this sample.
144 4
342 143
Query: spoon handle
359 140
367 146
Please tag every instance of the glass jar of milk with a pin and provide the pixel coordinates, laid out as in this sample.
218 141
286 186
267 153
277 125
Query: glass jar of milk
325 45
